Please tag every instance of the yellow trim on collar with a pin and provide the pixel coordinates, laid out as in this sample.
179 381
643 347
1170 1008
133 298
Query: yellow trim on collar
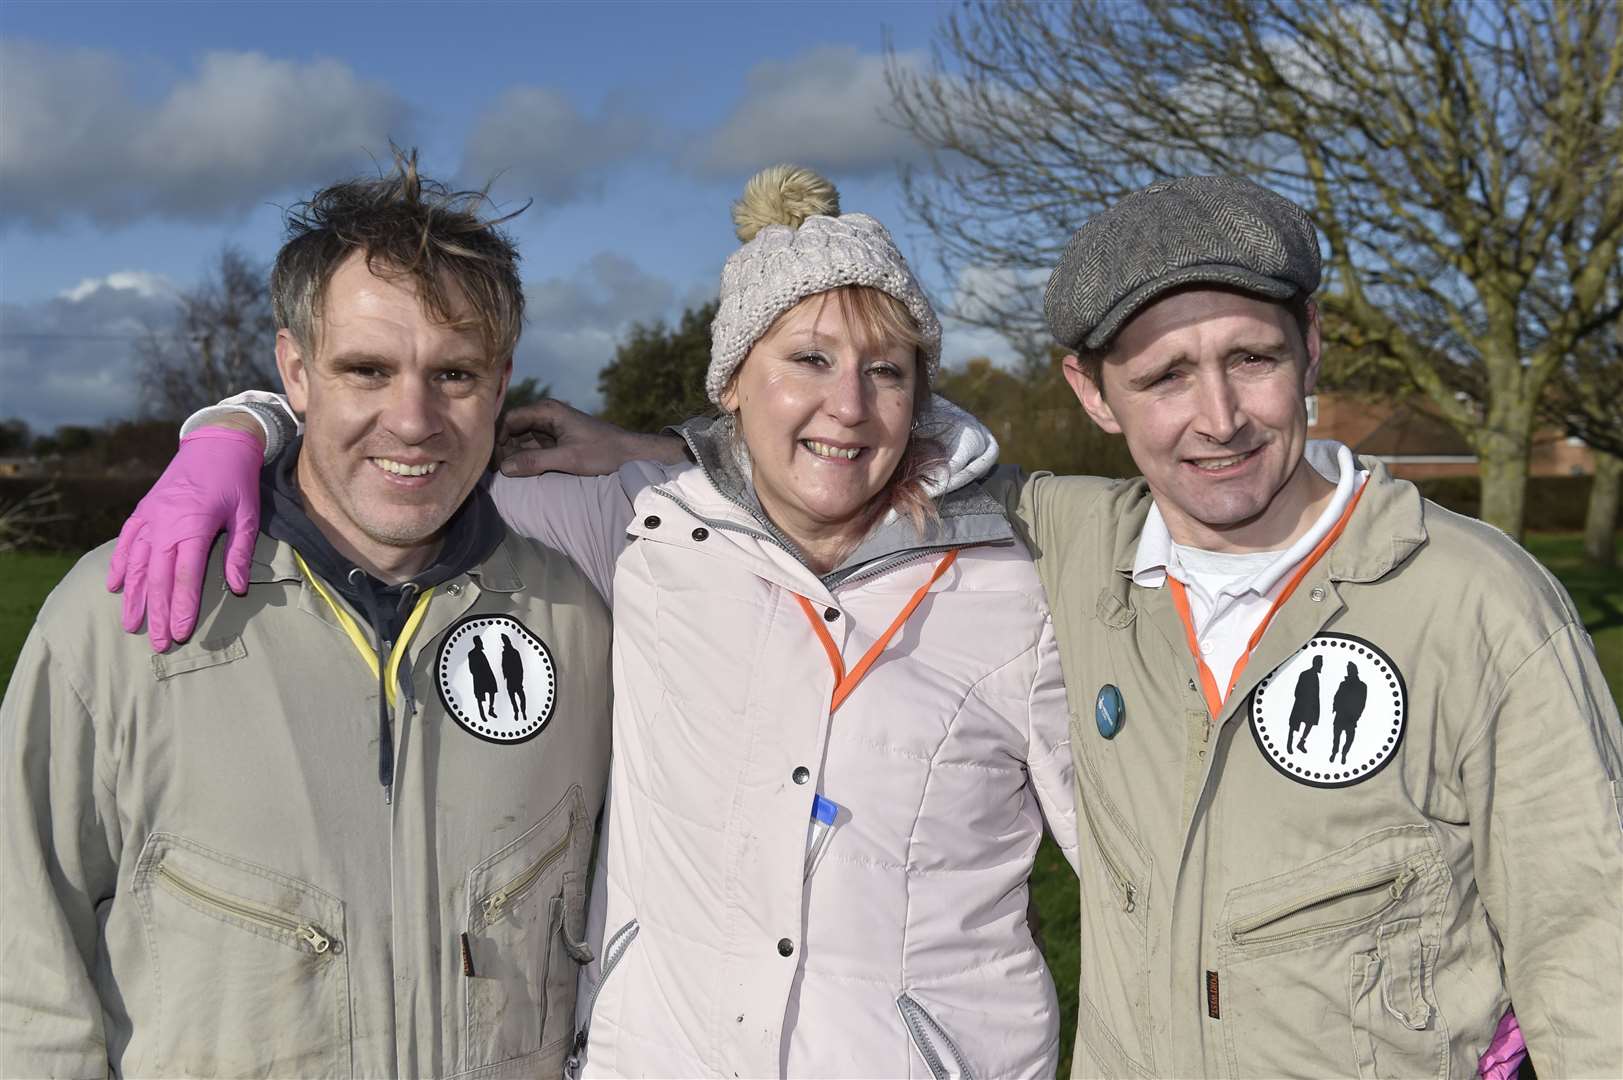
352 629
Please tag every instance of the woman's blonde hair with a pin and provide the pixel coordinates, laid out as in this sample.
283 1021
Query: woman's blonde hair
879 319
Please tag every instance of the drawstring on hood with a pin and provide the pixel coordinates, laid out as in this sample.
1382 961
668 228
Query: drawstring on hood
469 538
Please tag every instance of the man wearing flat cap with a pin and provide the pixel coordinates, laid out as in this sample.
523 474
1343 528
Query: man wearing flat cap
1370 898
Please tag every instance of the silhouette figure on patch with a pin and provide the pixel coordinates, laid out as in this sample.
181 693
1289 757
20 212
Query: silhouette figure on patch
513 674
1305 712
484 679
1347 707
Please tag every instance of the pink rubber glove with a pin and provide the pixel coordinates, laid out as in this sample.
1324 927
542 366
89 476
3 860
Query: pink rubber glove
163 549
1505 1053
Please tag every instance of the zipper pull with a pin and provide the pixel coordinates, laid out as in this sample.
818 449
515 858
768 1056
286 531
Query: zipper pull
1401 883
1129 897
494 904
318 942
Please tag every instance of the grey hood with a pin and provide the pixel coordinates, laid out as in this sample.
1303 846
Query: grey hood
966 513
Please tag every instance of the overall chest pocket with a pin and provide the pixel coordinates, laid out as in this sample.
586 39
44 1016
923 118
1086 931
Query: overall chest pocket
1114 981
1327 970
522 942
250 966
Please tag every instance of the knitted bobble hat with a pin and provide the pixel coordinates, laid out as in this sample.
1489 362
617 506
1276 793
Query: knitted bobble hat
798 244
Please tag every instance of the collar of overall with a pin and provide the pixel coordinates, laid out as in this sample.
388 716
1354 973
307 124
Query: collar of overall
1180 600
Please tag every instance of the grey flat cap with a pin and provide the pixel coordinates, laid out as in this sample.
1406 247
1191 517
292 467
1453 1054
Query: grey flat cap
1216 230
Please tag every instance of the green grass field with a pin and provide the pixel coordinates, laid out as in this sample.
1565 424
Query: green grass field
26 579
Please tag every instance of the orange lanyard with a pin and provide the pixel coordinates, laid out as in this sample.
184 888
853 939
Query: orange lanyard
845 683
1180 600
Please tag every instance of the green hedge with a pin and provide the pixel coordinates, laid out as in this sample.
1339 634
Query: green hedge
92 508
1554 503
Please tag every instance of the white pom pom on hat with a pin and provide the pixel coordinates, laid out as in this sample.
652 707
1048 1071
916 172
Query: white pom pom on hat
798 244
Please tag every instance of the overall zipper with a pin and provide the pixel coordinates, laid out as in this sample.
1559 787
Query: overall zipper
309 935
492 905
1124 884
1394 879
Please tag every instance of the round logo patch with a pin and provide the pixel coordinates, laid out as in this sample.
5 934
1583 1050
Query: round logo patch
496 678
1333 714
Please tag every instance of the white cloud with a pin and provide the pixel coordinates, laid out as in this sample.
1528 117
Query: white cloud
543 146
826 108
576 322
76 139
979 291
70 359
962 341
144 283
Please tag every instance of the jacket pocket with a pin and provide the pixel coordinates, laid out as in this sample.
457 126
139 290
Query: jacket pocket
523 904
1114 870
1389 993
1327 970
940 1054
614 950
249 966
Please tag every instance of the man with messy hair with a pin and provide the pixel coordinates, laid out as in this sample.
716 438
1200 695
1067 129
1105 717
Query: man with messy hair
298 844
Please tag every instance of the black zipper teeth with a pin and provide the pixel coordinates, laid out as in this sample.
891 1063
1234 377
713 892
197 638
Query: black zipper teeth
900 559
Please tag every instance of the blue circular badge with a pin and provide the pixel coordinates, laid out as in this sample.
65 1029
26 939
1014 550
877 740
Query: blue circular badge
1107 711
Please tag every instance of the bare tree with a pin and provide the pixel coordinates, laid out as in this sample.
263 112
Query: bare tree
223 341
1453 154
1585 399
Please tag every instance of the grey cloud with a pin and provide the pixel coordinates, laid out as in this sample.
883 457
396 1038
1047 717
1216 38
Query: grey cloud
75 138
826 108
70 360
538 144
575 322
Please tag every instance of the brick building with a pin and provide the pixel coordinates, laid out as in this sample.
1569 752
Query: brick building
1417 443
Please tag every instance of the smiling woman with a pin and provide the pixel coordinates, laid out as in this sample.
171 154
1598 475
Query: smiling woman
829 405
839 723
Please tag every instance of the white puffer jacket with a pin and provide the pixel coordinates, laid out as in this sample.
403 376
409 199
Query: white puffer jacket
905 952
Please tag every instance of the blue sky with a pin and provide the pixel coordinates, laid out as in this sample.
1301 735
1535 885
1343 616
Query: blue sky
137 138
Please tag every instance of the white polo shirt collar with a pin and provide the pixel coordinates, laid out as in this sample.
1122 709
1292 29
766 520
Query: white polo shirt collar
1330 459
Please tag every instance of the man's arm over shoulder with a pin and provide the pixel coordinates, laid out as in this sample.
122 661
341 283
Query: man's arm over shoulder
1543 778
585 517
59 842
1046 509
